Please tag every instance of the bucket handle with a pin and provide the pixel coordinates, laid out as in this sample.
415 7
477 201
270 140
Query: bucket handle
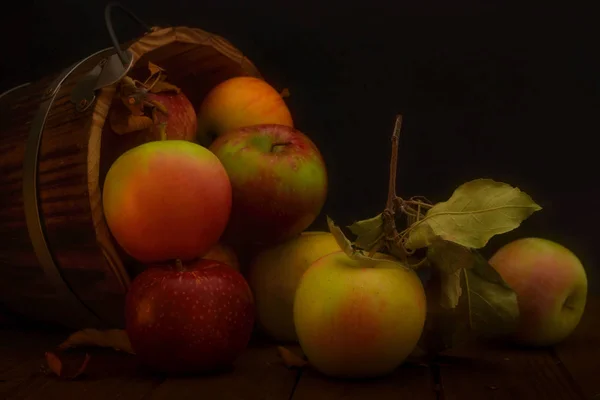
111 32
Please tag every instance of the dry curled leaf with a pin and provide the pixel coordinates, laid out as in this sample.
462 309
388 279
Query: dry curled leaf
291 359
154 69
476 211
66 367
162 86
348 248
122 123
113 338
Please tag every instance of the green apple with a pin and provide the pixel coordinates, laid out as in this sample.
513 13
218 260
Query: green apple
551 286
357 321
274 274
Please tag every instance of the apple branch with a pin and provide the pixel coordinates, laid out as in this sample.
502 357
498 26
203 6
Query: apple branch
394 163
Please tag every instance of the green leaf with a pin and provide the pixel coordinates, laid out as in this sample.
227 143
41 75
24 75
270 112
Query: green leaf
451 289
487 307
475 212
492 302
368 232
449 257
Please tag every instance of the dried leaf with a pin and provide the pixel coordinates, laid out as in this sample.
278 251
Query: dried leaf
285 93
492 302
66 368
475 212
160 106
114 338
122 123
154 69
291 359
368 232
162 86
449 257
53 362
451 289
347 247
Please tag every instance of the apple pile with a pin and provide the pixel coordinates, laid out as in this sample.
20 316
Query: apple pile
202 187
179 209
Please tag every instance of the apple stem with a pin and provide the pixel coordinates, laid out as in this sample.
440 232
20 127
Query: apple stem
162 131
179 265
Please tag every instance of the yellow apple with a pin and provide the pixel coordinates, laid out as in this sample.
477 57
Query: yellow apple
239 102
357 321
551 287
225 254
274 275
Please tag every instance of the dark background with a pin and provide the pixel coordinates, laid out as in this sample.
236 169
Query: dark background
486 90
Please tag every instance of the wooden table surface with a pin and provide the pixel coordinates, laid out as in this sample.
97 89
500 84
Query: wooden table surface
570 370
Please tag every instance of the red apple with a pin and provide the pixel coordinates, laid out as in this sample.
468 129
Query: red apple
181 119
192 318
278 179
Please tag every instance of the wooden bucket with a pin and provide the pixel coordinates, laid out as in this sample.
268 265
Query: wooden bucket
58 261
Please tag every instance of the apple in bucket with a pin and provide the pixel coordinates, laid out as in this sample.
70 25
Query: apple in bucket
189 318
238 102
278 179
551 287
166 200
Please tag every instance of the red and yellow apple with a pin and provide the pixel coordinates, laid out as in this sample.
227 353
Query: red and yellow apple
167 200
223 253
238 102
274 274
358 321
278 179
551 287
189 318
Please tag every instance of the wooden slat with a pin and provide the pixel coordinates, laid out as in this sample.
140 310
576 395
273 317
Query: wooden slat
485 370
580 352
409 381
259 373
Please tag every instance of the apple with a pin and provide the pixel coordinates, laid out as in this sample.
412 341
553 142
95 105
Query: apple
238 102
358 321
178 123
551 287
167 200
274 274
278 179
225 254
185 318
181 121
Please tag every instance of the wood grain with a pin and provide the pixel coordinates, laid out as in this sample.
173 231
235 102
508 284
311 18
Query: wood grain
408 381
580 352
75 154
486 370
258 374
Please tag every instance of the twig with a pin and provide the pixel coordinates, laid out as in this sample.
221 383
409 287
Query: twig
394 163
